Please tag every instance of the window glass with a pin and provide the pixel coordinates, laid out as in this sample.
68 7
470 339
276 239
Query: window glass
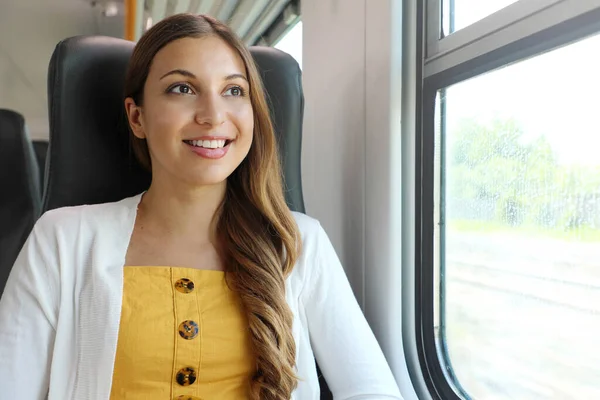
518 228
458 14
291 43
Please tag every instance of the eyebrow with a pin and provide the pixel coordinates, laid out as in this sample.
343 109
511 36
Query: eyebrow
192 76
179 72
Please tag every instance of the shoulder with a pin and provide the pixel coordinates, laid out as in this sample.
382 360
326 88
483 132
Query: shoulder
73 218
317 252
313 236
309 227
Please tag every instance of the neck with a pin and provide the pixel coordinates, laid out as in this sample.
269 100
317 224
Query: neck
182 211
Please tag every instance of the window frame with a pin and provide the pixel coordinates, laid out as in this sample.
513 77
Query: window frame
440 44
504 28
496 50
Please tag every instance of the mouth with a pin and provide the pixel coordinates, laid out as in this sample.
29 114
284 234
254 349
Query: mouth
209 149
209 144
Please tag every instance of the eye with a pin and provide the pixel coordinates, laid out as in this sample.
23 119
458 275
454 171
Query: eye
181 89
235 91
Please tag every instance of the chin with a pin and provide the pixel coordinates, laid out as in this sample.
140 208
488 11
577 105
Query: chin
205 175
208 179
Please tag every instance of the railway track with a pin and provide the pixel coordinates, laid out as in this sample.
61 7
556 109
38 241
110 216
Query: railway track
569 293
519 334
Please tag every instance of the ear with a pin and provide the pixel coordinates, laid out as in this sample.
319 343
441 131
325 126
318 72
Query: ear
134 116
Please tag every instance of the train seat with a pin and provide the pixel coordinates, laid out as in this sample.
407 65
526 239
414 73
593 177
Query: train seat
20 197
41 150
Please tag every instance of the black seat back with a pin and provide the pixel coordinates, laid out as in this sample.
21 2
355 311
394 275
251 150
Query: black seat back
20 197
41 150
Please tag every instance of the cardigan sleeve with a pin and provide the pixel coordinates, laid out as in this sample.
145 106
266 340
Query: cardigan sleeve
28 317
344 345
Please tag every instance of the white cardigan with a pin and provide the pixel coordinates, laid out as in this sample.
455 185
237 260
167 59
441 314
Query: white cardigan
60 312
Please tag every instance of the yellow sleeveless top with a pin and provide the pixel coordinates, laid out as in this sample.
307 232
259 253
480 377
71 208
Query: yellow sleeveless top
183 335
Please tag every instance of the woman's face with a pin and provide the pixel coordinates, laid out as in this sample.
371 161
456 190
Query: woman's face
197 117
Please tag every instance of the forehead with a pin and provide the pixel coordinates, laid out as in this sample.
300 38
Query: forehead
208 55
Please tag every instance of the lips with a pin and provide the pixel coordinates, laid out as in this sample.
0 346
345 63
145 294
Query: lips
209 153
208 143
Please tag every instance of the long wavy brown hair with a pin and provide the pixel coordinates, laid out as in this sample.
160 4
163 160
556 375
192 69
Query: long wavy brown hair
256 232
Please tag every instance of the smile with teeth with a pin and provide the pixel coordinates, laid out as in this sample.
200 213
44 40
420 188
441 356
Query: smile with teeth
208 144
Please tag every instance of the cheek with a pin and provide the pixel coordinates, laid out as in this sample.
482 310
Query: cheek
166 117
163 123
245 120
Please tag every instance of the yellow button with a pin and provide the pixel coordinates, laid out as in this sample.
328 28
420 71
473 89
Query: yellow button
186 376
186 397
188 329
184 285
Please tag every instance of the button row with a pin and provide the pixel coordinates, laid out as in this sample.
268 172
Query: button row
188 330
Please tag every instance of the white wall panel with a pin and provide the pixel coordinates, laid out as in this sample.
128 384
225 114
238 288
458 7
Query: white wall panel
334 125
384 71
352 165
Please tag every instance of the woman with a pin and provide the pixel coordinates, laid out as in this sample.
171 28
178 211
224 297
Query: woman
205 286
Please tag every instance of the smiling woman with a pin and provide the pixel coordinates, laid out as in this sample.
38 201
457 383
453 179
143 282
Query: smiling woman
201 88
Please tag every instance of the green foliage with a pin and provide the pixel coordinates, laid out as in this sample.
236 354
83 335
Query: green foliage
523 180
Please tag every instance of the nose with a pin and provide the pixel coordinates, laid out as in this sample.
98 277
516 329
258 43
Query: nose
210 111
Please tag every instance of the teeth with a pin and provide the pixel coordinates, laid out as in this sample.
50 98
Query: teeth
208 144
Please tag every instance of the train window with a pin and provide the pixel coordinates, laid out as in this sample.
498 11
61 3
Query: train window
518 227
291 43
458 14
